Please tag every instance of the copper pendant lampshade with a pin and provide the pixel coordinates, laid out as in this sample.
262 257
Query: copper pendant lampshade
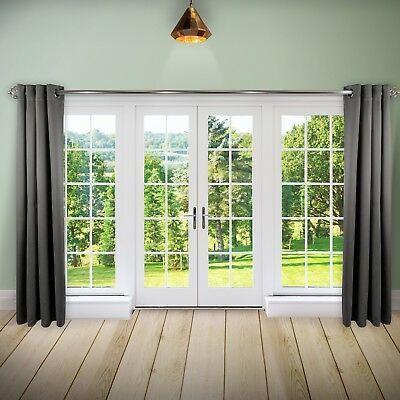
191 28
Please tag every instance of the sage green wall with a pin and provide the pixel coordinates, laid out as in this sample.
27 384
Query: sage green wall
274 44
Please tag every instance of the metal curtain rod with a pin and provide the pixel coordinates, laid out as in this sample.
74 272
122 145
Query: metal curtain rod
13 92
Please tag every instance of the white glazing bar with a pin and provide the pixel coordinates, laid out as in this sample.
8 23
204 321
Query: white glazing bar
230 200
330 203
166 202
305 203
65 205
90 205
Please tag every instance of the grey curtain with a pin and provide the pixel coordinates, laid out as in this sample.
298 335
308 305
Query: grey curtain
367 204
40 206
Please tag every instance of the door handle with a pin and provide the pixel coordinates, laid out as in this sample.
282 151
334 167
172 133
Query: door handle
203 217
194 216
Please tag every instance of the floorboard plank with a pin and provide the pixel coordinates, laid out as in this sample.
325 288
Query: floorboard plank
5 317
382 356
322 375
353 367
55 376
394 328
97 373
169 365
204 372
244 359
285 375
134 371
20 368
10 337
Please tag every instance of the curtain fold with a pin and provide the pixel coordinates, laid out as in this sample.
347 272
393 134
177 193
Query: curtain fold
366 291
40 206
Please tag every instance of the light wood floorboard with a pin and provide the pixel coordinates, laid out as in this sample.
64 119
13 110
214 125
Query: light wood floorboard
5 317
322 375
244 359
285 375
204 372
199 355
20 368
55 376
100 366
169 365
133 374
353 368
11 336
382 356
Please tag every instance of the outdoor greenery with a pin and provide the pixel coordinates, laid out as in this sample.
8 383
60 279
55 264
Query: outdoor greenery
90 162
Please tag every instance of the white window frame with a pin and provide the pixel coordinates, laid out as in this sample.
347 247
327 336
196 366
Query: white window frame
272 106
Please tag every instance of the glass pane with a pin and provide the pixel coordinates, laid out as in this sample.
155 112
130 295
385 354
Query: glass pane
218 235
103 272
178 167
218 270
242 270
78 166
218 201
338 131
318 166
318 235
154 235
218 131
178 131
241 131
178 200
292 235
318 200
154 201
103 131
293 166
318 270
318 131
338 201
178 235
77 201
293 270
218 166
103 166
154 167
292 200
178 270
77 129
154 270
242 235
242 166
154 131
293 131
337 233
337 270
103 235
338 166
78 235
103 201
242 204
78 270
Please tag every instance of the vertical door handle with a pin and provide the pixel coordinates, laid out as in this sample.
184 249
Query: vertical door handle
194 216
203 217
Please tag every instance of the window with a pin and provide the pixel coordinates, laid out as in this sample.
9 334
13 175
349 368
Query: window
312 167
90 200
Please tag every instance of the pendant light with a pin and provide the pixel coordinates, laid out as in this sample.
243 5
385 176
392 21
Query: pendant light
191 28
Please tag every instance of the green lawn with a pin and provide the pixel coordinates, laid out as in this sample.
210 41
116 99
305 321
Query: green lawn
293 271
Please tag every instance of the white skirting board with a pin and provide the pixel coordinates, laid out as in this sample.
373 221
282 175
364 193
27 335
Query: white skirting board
100 307
312 306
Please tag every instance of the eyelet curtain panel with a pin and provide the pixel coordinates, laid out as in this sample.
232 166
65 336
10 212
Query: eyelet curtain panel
40 206
366 291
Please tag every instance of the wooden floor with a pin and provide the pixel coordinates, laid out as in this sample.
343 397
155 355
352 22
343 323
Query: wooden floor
205 354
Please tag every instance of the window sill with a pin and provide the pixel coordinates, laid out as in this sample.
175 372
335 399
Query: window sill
102 307
303 306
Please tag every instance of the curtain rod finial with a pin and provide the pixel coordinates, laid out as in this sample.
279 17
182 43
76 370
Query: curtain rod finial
394 92
13 92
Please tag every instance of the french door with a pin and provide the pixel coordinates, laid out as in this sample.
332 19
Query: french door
197 206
